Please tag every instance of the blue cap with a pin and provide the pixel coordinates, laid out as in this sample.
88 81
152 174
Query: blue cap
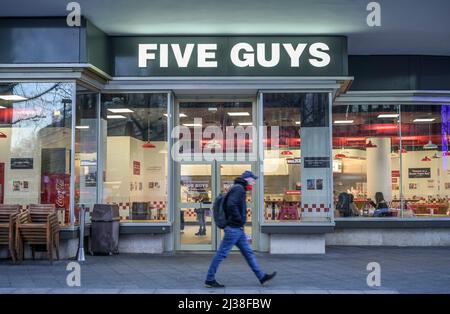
248 174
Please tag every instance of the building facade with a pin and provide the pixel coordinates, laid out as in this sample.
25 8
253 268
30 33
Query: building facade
161 125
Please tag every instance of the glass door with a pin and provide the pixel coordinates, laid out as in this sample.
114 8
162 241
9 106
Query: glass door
227 172
197 186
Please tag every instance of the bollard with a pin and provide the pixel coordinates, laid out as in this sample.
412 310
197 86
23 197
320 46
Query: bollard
81 220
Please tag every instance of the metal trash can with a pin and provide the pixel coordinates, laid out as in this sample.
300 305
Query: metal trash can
105 229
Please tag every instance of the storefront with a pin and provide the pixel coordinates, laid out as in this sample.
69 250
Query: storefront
162 125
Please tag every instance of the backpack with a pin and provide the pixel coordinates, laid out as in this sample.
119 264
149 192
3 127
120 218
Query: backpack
220 218
219 214
343 204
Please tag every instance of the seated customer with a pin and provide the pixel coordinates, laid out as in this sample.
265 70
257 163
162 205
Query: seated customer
352 206
381 206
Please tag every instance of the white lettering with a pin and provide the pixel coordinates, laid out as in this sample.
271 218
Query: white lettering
144 55
248 57
182 58
204 53
322 58
294 54
163 55
261 55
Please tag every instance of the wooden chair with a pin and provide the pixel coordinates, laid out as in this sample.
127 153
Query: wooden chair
38 226
8 216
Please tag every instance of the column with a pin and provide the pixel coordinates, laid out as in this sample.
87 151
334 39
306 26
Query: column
379 168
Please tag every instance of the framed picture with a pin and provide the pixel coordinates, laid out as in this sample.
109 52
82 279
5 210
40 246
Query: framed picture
16 186
319 184
311 184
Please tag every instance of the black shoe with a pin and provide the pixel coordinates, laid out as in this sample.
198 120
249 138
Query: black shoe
213 284
267 277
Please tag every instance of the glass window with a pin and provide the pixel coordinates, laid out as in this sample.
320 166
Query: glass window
425 158
366 160
35 144
136 155
296 157
86 133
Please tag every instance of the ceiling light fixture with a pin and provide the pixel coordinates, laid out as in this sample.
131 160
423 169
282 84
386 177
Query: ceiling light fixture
426 158
182 115
370 145
238 114
424 120
388 115
343 121
213 144
82 127
297 122
192 125
13 98
120 110
430 145
436 156
148 144
115 116
245 123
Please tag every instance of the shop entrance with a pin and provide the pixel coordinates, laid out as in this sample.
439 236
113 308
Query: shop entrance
199 185
200 180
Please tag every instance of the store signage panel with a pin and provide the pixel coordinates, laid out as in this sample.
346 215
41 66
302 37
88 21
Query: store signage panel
316 162
419 173
230 56
21 163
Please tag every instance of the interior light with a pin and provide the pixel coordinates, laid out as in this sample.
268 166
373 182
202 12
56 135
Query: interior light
120 110
245 123
238 114
82 127
297 122
1 107
430 145
115 116
343 121
388 115
12 97
424 120
192 124
182 115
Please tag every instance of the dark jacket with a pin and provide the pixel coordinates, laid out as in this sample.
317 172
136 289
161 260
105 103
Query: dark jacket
236 206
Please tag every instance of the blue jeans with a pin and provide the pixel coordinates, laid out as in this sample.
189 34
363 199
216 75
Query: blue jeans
380 212
234 236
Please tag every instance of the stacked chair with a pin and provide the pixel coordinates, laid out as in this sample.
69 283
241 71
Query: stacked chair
8 216
38 226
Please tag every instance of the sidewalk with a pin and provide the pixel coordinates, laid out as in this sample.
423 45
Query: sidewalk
341 270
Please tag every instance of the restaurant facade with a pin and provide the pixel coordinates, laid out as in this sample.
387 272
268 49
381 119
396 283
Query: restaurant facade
161 125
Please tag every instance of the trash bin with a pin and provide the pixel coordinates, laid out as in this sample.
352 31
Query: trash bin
140 211
105 229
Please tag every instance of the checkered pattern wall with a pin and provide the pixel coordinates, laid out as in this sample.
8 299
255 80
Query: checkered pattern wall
124 209
315 208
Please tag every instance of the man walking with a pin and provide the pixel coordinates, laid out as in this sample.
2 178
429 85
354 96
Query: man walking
236 213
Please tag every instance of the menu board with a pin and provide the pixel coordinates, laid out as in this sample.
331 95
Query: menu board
419 173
